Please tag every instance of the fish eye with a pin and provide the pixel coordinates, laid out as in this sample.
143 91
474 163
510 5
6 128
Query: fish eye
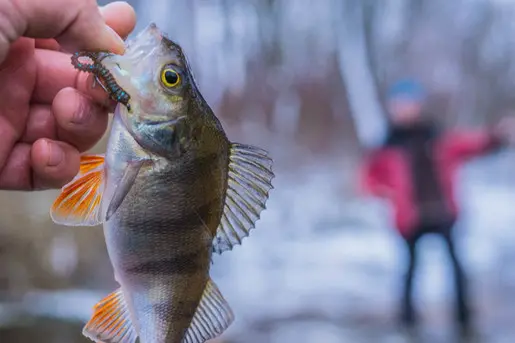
170 78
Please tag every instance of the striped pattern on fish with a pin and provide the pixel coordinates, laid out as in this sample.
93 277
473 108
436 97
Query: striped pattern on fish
170 191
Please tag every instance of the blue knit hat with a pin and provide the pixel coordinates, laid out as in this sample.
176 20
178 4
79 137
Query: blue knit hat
407 89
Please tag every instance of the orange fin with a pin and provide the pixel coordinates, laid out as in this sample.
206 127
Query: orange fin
90 162
111 321
79 203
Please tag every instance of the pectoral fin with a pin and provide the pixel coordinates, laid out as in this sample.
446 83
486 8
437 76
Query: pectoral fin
213 316
79 203
124 187
250 181
111 321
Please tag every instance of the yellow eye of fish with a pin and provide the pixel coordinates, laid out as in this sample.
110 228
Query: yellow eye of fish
170 78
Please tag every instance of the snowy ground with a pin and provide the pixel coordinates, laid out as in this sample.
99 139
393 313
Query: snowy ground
322 268
319 268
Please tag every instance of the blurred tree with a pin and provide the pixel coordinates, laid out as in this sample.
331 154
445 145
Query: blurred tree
357 69
462 50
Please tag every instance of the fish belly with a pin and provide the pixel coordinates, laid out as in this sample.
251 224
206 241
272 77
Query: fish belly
159 243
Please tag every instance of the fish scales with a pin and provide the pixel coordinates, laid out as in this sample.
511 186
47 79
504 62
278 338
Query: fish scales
176 248
170 191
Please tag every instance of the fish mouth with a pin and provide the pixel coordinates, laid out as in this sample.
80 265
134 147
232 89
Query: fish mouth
118 69
125 68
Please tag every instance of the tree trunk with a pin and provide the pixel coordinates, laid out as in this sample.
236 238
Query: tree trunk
355 67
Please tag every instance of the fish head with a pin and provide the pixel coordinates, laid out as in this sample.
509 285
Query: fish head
154 72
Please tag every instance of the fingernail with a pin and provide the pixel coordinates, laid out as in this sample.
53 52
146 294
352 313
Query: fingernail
83 109
55 154
82 115
118 45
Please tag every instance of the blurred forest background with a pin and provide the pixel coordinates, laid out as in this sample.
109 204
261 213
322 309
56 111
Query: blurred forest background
306 79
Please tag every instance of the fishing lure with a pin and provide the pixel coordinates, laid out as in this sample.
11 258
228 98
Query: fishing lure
102 75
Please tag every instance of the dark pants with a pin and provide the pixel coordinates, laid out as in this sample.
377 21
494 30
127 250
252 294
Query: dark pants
444 230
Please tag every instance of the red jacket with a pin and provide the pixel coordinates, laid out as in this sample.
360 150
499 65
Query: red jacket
386 173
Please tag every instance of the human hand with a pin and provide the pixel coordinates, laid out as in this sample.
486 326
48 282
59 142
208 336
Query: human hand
49 112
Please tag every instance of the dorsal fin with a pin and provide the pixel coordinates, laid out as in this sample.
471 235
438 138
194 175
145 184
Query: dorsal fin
249 183
79 203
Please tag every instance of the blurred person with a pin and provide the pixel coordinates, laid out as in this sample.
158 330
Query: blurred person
415 169
49 112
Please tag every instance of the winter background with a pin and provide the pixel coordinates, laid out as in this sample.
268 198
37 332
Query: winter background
306 80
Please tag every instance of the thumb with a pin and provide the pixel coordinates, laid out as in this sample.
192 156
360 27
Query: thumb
75 24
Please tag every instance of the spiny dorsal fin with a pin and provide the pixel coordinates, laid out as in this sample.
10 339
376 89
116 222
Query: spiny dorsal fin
250 181
212 318
79 203
111 321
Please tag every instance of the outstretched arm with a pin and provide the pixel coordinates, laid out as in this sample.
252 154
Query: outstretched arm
465 145
468 144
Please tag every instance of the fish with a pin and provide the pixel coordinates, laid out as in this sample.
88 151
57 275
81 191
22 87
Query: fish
171 192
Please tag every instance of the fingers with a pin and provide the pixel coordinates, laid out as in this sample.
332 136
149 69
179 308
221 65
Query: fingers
44 165
79 121
40 124
55 72
54 69
53 163
75 24
16 172
121 24
67 121
120 16
48 44
74 124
